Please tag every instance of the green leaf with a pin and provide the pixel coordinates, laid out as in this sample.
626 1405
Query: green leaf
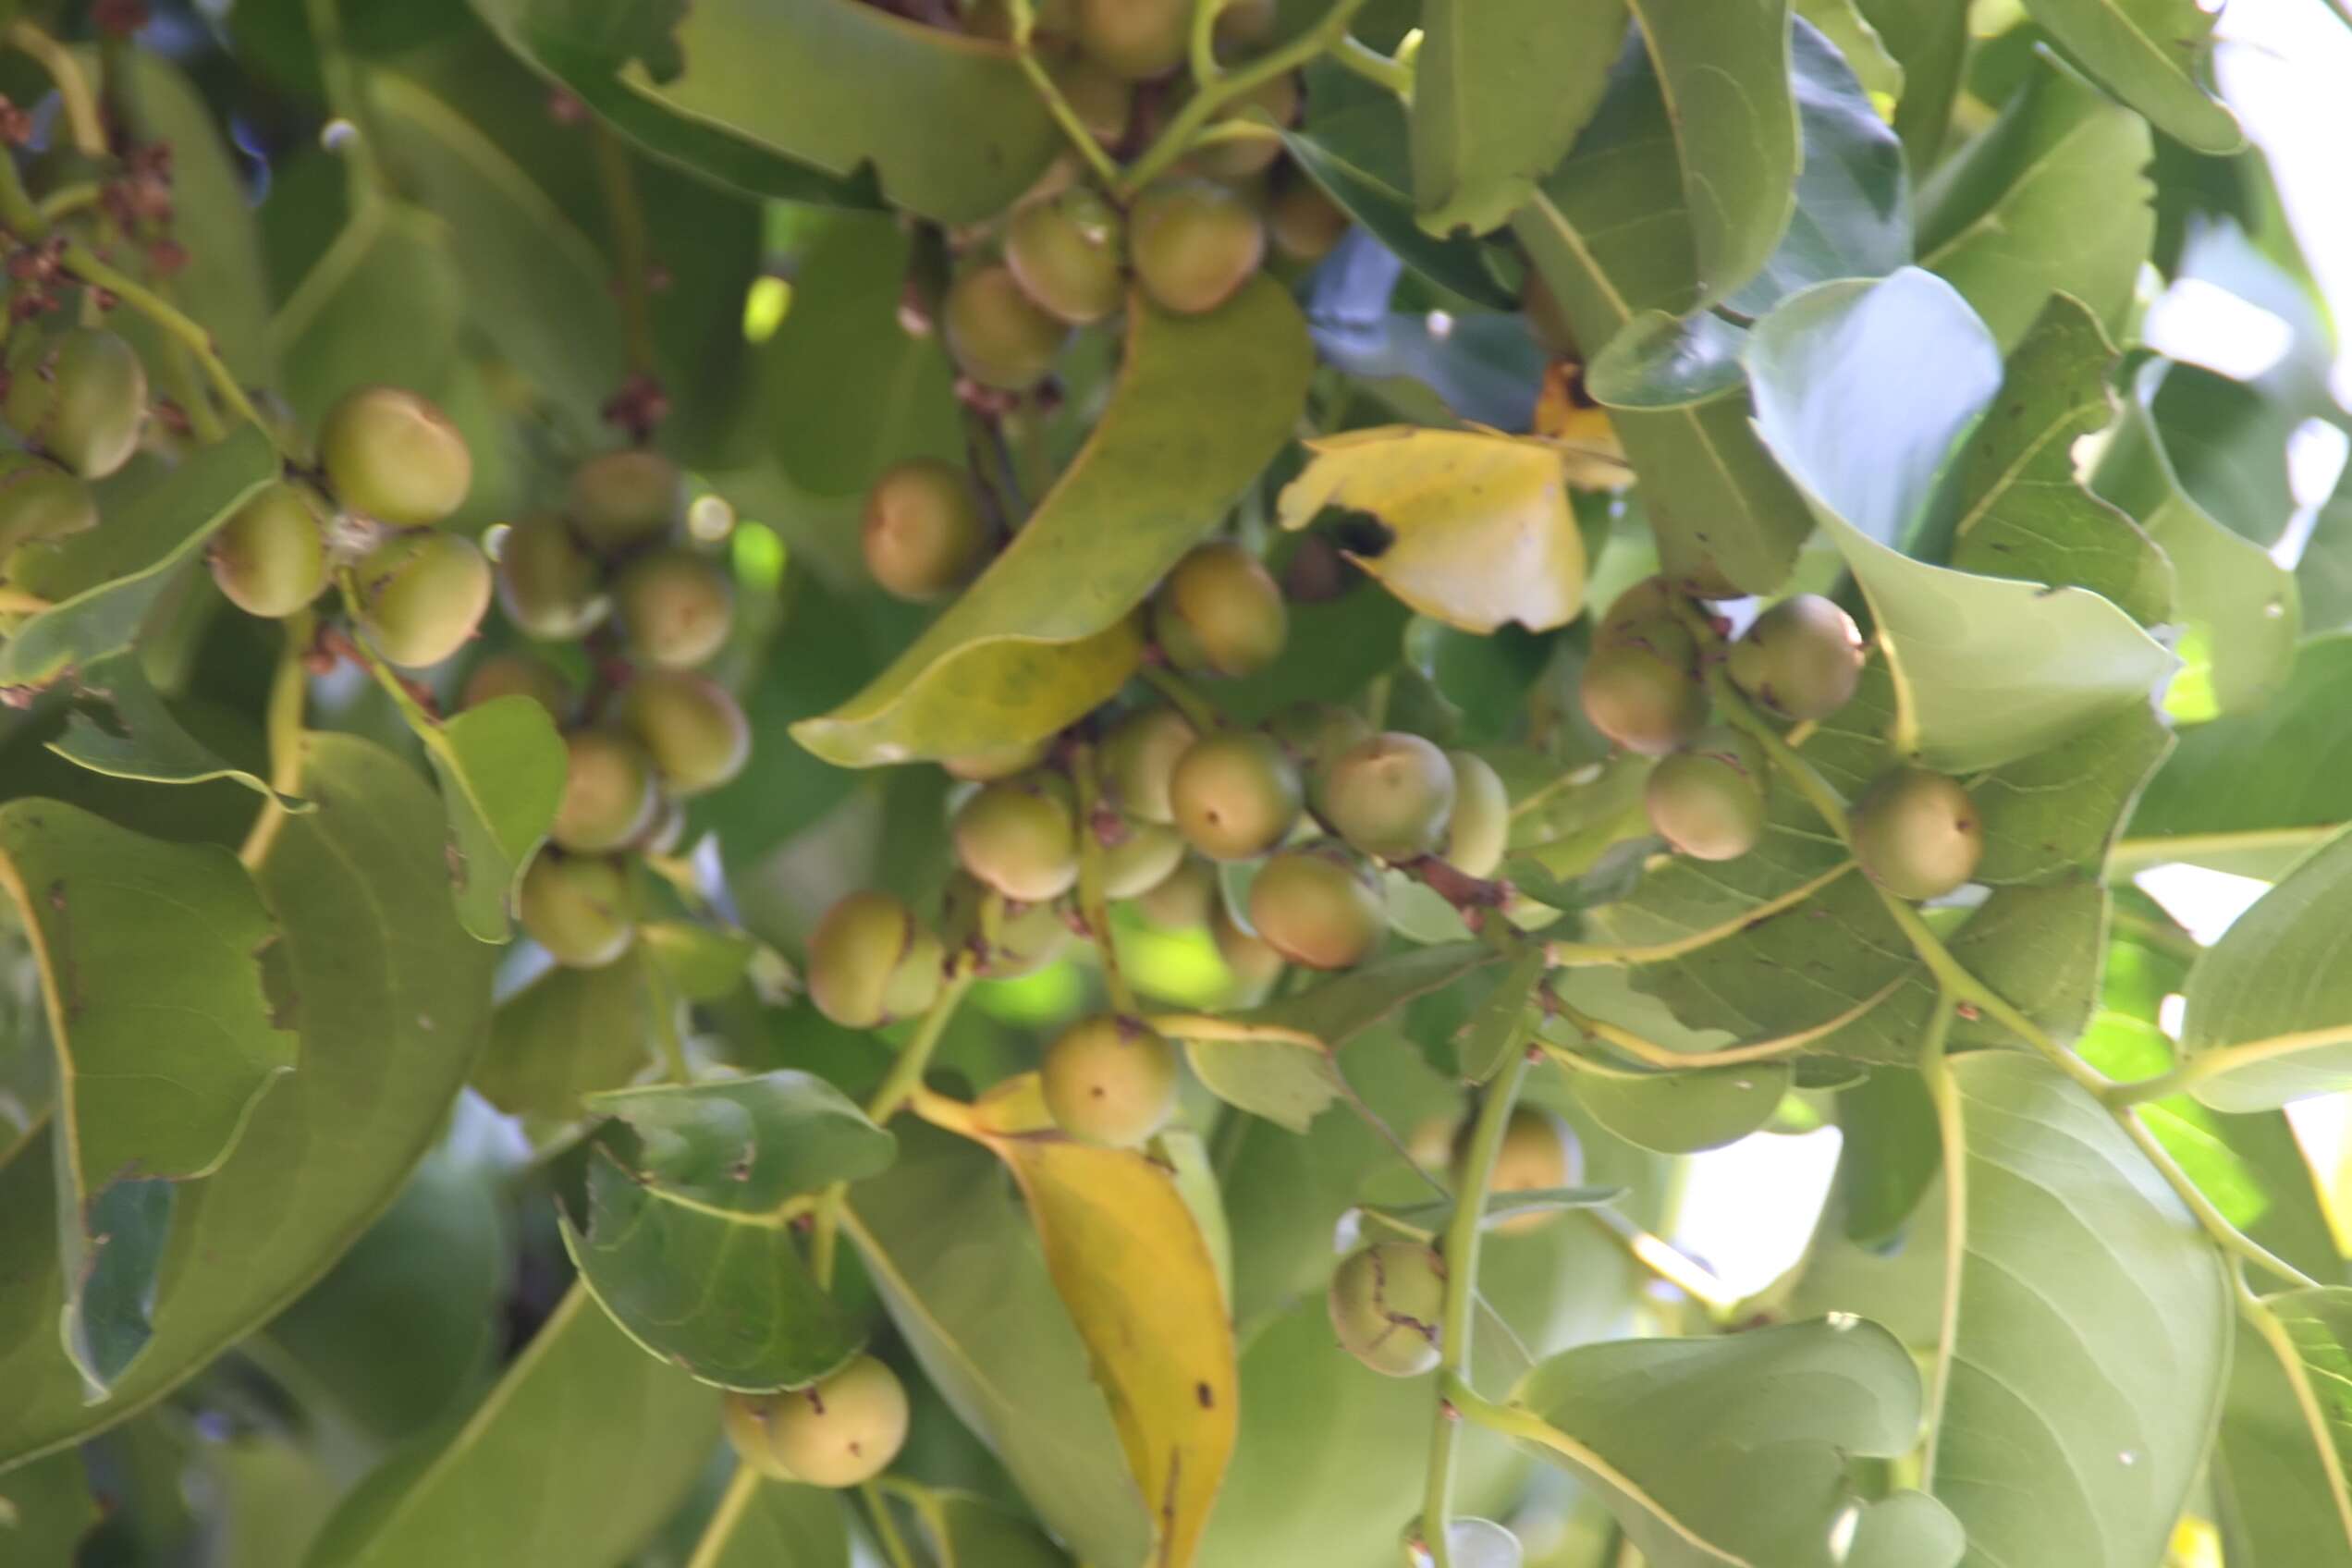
1683 1112
2227 442
502 768
151 957
2324 574
104 581
1929 40
705 962
782 1527
383 302
2093 1325
2145 52
141 738
2286 1436
1889 1155
1840 404
2019 510
47 1511
2050 199
1663 1431
686 1243
1502 1023
539 1476
393 999
1852 34
2053 817
1287 1085
569 1033
1499 92
2277 976
1046 634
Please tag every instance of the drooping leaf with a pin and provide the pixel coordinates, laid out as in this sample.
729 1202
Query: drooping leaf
383 302
501 767
2145 52
1046 633
570 1033
1683 1112
2278 975
141 738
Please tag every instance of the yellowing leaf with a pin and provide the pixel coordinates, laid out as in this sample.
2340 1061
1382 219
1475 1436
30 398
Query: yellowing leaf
1483 532
1141 1283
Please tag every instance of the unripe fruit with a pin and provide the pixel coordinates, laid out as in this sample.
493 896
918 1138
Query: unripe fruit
608 797
1917 834
998 761
1643 692
1219 612
1388 1306
270 557
995 335
39 500
578 910
1110 1081
1317 735
1064 253
1481 829
870 960
1139 757
1391 796
621 500
1538 1153
81 398
422 595
1020 836
1182 900
1142 860
1708 800
676 609
1103 101
1253 961
691 727
843 1431
1320 905
393 456
523 675
1235 794
921 532
1304 223
550 588
1631 613
745 1418
1246 25
1801 659
1027 937
1193 243
1136 38
1279 99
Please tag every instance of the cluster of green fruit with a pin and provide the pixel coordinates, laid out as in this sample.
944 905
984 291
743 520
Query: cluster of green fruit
77 400
1916 832
840 1432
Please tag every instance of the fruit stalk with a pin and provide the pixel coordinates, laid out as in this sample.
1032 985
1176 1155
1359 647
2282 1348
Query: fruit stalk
631 258
288 688
1025 24
1177 140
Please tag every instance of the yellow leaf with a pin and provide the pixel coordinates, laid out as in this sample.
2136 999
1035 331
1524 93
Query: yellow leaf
1482 529
1567 415
1139 1279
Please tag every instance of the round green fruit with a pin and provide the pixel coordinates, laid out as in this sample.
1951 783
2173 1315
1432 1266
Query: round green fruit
1182 900
870 960
676 609
1136 38
1320 905
745 1418
843 1431
1801 659
82 399
1146 855
1708 801
1193 244
1139 757
1480 828
550 588
1642 691
270 557
519 675
1110 1081
39 500
422 595
1021 939
1391 796
624 500
997 762
1235 794
1917 834
1103 101
1064 252
997 335
1020 835
1539 1152
1304 223
1249 958
395 457
609 796
691 727
1219 612
1317 735
921 532
578 910
1388 1306
1633 612
1278 99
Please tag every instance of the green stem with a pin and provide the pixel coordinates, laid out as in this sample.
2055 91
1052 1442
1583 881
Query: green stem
1025 28
720 1531
886 1529
84 123
2214 1063
2162 935
1202 44
665 1035
1360 57
1935 1071
1185 698
2228 1237
1177 139
289 686
363 170
632 255
190 334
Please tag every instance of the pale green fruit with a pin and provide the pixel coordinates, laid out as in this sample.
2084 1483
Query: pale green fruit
608 797
1139 757
578 910
1391 796
1802 659
870 960
1917 834
81 398
1321 905
550 588
1642 690
1235 794
921 531
1708 801
1020 835
690 726
1065 254
1219 612
1136 38
270 557
395 457
1388 1306
842 1431
1144 857
676 609
41 501
996 333
1481 829
422 596
1110 1081
625 500
1193 244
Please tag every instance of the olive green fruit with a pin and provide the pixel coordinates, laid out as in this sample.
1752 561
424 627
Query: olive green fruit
621 500
691 727
550 588
395 457
82 398
1304 223
1103 101
745 1418
676 609
1632 612
1252 960
996 333
1278 100
1139 757
922 530
1065 254
39 500
608 795
1388 1306
1146 855
842 1431
870 960
1182 900
270 557
1317 735
1707 800
1020 835
1110 1081
1538 1153
1801 659
519 675
578 909
998 761
1021 939
1235 794
1643 690
1480 828
1219 612
1193 243
1245 24
1391 796
1320 905
1917 834
422 595
1136 38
